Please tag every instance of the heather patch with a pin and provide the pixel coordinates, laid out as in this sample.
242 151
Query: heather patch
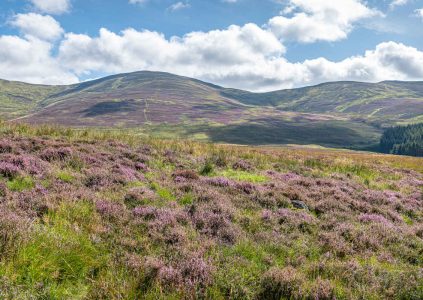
98 215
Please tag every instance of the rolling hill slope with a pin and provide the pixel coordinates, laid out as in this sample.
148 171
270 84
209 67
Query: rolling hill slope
339 114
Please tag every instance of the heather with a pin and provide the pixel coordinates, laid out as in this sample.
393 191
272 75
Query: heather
90 214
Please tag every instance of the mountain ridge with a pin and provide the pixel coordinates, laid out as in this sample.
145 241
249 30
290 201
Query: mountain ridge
345 114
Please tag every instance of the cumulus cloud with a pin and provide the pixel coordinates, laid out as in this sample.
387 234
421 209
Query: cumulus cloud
419 13
37 26
31 60
396 3
247 57
52 6
134 50
179 5
309 21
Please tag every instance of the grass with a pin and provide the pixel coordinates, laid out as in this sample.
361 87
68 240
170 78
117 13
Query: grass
242 176
20 184
57 259
65 176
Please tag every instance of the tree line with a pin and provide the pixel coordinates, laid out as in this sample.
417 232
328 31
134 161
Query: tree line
403 140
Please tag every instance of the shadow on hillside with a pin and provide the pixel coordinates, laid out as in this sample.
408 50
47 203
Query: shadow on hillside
326 133
109 107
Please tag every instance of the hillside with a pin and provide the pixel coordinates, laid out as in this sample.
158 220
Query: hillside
340 114
91 214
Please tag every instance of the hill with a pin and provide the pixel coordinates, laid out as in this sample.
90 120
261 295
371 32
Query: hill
340 114
88 214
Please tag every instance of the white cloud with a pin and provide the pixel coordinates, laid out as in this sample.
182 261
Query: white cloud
248 57
419 13
243 57
136 50
319 20
179 5
396 3
37 26
52 6
30 60
137 1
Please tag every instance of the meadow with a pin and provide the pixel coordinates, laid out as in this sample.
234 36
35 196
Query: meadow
90 214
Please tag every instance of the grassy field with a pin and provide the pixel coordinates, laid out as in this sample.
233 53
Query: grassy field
89 214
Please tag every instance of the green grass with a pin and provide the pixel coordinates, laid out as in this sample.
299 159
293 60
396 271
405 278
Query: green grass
242 176
65 176
20 184
58 257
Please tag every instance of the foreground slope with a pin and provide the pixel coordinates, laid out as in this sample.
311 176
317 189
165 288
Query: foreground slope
96 215
340 114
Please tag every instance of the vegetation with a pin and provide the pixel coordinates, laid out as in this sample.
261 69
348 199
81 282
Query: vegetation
89 214
339 114
403 140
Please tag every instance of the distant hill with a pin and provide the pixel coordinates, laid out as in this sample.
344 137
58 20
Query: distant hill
339 114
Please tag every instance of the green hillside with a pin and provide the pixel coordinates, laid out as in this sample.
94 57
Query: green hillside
386 102
339 114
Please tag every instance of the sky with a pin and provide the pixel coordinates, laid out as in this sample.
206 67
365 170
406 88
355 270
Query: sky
257 45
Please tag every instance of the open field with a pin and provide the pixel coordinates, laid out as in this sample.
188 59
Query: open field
97 214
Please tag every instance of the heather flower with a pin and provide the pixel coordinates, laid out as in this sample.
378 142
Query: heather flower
52 154
169 277
289 177
322 290
187 174
27 163
137 196
134 262
145 212
242 165
12 228
374 218
6 146
266 215
123 174
196 271
142 167
246 187
219 181
216 221
97 177
283 283
9 170
109 209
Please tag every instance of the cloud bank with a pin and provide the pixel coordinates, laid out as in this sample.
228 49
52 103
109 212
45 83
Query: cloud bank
249 57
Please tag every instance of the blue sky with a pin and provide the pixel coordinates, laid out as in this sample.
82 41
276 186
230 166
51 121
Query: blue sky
286 43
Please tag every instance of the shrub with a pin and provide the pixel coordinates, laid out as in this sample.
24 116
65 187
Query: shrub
207 169
187 174
6 146
242 165
283 283
9 170
109 209
52 154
